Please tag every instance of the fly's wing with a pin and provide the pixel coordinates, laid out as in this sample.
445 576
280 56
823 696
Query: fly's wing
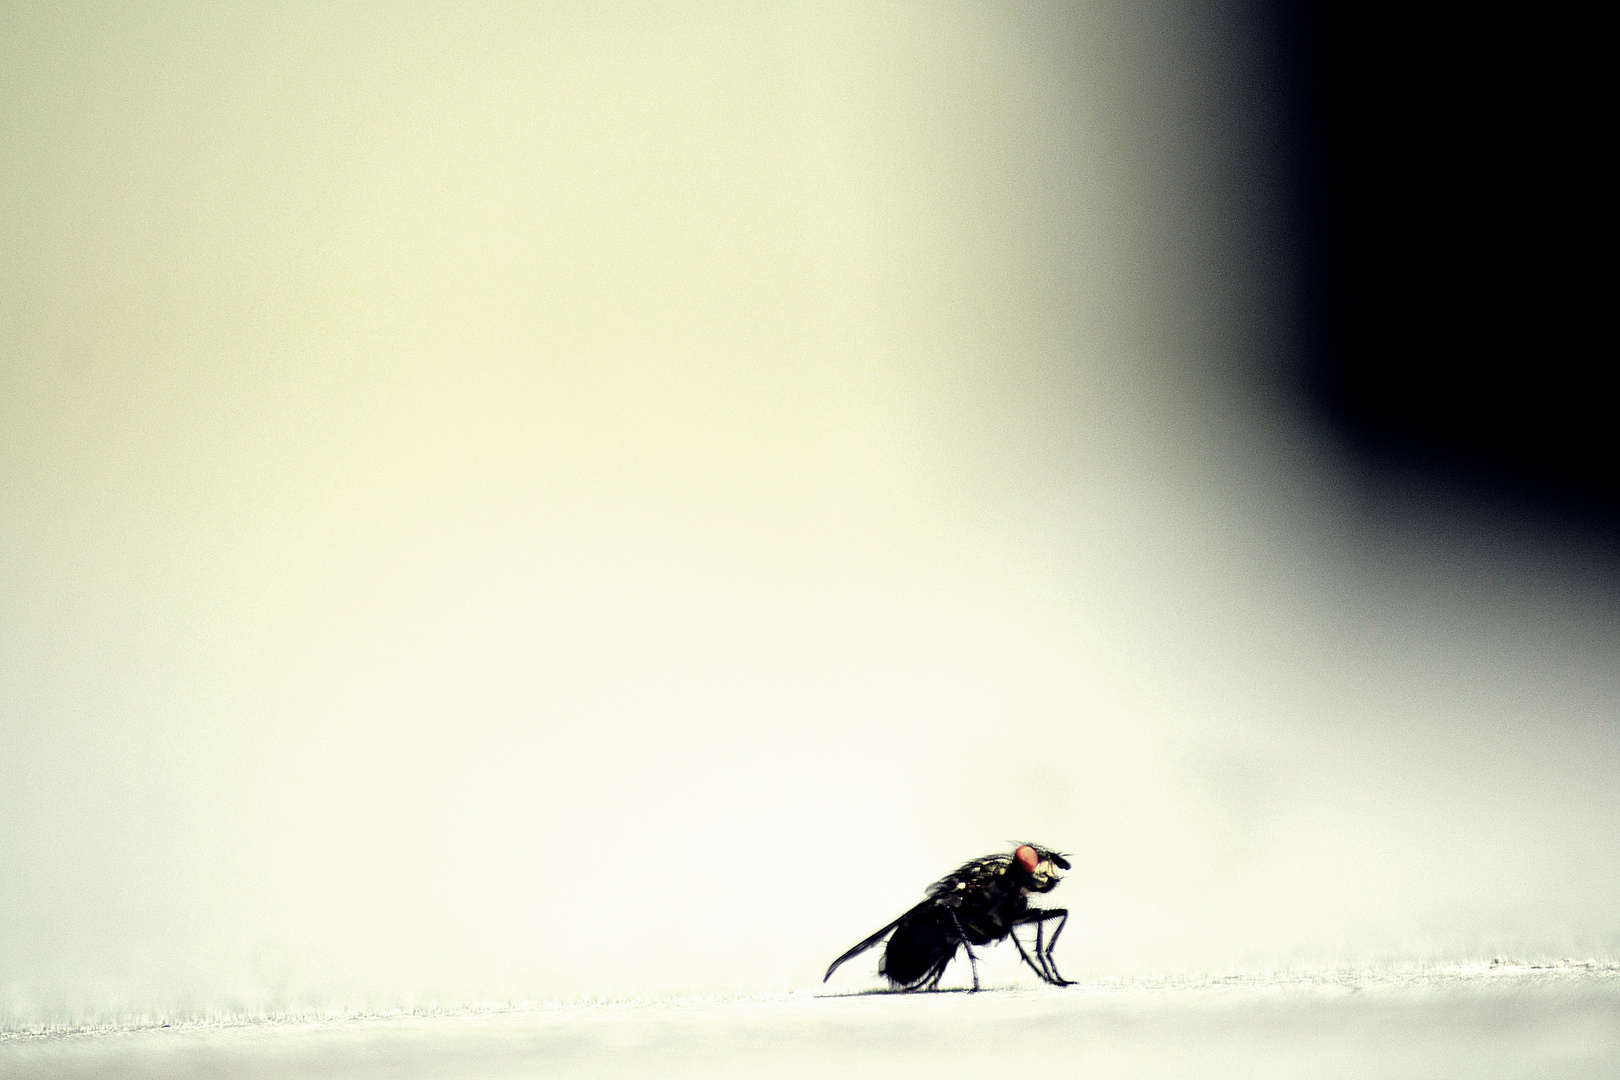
871 941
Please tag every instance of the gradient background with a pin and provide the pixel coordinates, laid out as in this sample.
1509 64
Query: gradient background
523 501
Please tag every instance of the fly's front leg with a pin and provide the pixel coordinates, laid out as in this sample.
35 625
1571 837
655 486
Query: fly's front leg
1040 948
973 963
1044 965
1013 933
1062 915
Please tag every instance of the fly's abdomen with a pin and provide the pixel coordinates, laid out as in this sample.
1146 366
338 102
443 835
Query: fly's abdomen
919 944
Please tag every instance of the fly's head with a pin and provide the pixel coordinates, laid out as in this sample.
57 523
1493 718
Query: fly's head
1041 865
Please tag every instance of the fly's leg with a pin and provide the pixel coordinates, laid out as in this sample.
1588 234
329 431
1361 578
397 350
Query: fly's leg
1051 961
1044 964
1032 966
1044 949
973 963
932 983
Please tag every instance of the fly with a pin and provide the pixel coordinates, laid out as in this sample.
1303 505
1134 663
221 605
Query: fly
979 904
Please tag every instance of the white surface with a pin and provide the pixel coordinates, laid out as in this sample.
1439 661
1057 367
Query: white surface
1452 1022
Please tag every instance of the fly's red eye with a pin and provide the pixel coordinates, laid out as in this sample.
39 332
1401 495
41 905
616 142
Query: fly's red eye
1027 858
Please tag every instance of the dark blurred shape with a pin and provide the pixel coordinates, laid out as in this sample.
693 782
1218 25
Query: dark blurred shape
1449 180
